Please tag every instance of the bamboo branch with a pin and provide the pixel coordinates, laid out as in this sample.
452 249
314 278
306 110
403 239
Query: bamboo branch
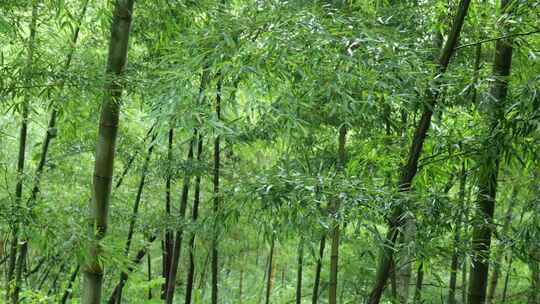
498 38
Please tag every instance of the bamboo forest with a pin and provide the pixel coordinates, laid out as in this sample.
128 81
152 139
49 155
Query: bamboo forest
270 151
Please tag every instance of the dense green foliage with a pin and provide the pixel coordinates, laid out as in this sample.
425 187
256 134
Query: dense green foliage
289 75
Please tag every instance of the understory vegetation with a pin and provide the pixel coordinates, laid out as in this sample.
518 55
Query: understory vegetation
270 151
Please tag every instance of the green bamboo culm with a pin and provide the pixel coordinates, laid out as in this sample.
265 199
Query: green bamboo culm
105 150
13 279
489 166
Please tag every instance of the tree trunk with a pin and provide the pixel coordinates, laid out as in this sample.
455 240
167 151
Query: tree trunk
499 252
510 261
202 277
270 272
68 291
411 167
465 215
18 273
419 283
105 150
534 256
334 251
12 263
215 255
44 278
393 283
194 216
283 275
173 267
149 262
507 277
134 262
36 268
464 280
534 297
53 287
457 235
135 213
177 247
318 268
300 266
132 159
405 258
168 242
489 169
335 233
51 131
75 273
477 61
241 285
